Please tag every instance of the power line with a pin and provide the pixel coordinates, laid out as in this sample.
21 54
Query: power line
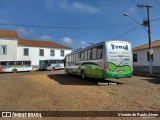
156 19
126 32
130 31
64 27
141 13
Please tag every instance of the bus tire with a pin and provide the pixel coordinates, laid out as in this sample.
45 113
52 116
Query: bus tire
67 73
53 68
83 75
14 70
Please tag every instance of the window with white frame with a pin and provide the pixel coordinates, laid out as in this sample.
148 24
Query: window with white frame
52 53
41 52
26 51
135 57
4 49
62 53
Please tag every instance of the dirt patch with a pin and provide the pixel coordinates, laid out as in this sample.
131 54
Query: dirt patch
54 91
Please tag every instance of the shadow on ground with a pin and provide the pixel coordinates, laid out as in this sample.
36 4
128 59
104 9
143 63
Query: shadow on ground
151 79
64 79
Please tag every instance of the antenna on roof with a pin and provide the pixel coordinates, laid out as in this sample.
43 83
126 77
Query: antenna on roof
78 49
91 43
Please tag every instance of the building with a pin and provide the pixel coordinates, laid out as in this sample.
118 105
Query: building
141 57
15 48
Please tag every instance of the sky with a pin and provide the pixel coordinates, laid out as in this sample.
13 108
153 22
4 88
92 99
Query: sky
80 23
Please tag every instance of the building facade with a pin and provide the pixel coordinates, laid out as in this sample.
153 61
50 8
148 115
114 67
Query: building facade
15 48
141 58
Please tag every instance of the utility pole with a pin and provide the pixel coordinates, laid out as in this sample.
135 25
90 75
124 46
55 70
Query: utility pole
146 23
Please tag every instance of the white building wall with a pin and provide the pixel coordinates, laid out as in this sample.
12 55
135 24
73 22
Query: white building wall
34 54
142 57
11 44
156 56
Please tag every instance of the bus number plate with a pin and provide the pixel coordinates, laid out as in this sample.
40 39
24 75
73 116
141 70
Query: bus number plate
120 71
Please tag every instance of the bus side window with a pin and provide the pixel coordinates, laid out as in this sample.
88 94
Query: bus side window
72 58
4 63
12 63
76 57
99 52
94 51
85 55
89 54
79 56
27 62
53 61
82 55
69 58
19 63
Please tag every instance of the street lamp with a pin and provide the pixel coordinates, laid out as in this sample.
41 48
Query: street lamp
125 14
149 37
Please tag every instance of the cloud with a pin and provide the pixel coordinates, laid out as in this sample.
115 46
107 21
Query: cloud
83 43
84 8
24 32
67 40
50 4
45 37
74 7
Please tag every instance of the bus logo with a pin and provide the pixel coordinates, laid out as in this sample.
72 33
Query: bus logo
119 47
6 114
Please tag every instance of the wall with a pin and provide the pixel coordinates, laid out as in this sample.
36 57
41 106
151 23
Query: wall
11 48
34 54
142 64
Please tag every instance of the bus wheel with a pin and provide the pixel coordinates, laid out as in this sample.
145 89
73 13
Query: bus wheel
14 70
67 73
83 76
53 68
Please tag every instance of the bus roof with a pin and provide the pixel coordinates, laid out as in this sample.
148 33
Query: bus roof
118 41
15 60
100 43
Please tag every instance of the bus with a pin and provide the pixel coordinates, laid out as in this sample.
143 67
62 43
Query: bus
15 66
51 64
108 59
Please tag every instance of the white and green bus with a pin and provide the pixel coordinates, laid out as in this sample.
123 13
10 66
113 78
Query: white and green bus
109 59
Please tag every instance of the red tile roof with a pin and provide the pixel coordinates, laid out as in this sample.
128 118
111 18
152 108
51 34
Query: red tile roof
32 43
8 33
146 46
38 43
